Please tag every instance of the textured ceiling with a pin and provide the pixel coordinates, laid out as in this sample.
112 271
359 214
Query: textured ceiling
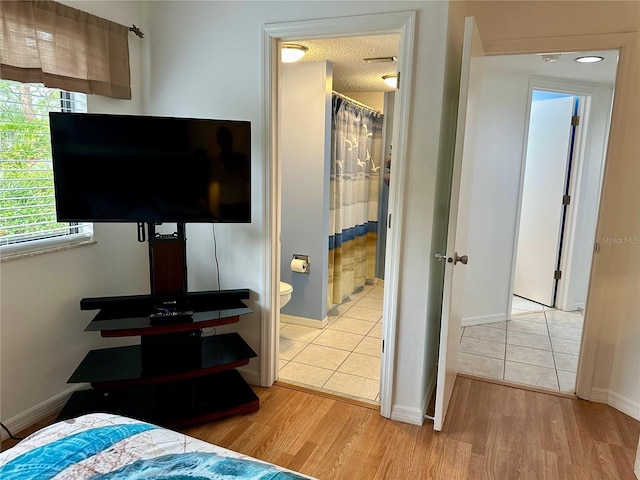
350 72
565 67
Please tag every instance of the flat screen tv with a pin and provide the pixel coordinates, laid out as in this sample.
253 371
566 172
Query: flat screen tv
125 168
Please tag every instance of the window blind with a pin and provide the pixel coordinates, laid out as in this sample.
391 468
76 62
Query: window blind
27 200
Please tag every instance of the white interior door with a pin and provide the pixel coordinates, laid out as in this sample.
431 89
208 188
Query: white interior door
470 84
544 184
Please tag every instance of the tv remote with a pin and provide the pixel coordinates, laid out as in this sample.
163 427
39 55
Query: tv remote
170 316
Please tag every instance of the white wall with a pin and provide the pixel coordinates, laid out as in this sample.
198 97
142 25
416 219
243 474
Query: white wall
190 71
306 154
42 333
200 65
494 215
197 64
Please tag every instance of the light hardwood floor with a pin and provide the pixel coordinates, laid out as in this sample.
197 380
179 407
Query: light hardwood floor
492 432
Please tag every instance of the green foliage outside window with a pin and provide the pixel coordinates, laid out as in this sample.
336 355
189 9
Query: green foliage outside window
27 202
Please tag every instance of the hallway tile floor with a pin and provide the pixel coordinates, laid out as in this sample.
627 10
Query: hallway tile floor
539 347
344 357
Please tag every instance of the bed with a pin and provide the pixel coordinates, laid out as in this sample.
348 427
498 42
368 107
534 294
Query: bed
103 446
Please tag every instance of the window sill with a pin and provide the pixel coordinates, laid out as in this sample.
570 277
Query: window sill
59 247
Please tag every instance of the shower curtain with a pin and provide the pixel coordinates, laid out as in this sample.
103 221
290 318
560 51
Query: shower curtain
356 140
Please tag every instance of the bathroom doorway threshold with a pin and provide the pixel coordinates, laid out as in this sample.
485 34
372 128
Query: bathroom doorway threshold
273 34
373 405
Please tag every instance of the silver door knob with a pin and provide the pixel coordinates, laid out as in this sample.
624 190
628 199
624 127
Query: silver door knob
440 256
463 259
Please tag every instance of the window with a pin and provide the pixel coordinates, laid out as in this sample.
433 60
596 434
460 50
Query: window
27 201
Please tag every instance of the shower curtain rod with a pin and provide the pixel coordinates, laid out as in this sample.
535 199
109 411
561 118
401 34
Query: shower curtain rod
349 99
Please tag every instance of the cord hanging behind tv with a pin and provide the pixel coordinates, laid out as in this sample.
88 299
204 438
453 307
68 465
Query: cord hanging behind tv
125 168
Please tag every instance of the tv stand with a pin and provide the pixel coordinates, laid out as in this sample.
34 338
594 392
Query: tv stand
175 376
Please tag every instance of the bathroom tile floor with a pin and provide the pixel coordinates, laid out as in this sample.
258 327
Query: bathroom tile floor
344 357
539 347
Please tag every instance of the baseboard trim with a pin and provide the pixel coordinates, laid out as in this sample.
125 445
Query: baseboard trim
414 416
482 319
637 464
251 377
600 395
39 412
574 307
303 321
617 401
624 404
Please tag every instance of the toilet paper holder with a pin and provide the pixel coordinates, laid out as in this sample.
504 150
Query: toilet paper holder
303 258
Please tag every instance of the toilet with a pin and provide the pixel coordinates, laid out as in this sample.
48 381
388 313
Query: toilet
285 293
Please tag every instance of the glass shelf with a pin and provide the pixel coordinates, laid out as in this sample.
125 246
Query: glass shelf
138 364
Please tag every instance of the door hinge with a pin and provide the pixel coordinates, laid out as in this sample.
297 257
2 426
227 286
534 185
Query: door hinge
575 120
557 275
382 346
566 199
389 222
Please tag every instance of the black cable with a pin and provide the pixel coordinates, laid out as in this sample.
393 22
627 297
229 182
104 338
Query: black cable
215 256
9 432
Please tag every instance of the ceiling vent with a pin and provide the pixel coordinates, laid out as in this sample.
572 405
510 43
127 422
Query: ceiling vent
381 59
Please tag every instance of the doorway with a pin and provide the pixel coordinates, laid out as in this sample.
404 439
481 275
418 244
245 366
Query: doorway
517 340
275 34
550 151
332 155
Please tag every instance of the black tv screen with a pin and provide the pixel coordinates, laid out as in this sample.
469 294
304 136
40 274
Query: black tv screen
125 168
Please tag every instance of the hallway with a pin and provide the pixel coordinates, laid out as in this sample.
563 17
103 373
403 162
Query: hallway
538 347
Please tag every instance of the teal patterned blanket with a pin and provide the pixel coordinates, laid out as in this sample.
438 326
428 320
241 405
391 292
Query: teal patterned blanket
109 447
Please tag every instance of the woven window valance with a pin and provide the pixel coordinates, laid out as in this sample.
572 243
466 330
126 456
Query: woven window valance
62 47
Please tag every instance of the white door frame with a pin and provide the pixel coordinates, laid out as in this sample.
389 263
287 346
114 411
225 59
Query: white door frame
586 91
402 23
624 42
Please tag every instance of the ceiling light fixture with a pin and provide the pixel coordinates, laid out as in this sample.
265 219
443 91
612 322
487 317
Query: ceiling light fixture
589 59
292 52
391 80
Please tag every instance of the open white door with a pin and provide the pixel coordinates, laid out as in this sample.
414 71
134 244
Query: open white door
470 84
545 177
